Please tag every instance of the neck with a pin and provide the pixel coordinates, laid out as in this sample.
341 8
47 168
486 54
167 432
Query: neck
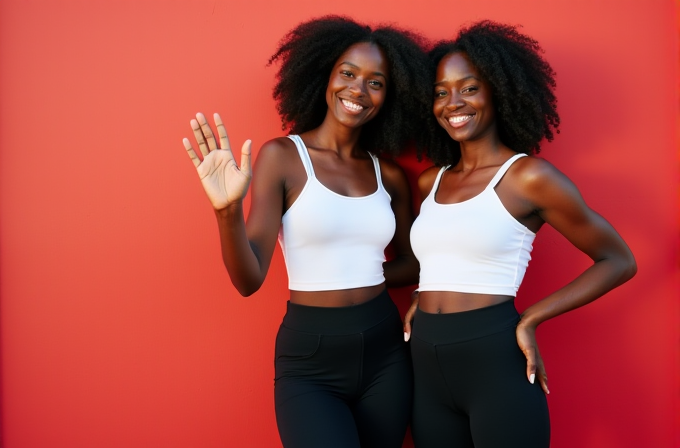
481 152
333 136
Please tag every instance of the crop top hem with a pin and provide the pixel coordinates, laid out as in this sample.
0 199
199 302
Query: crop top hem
335 286
470 289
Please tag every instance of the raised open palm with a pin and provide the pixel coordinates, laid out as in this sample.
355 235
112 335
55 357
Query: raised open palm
224 181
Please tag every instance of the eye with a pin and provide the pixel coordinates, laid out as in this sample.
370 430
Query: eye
375 84
347 73
469 89
439 93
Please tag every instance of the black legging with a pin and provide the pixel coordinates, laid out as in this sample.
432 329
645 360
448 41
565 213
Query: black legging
471 388
343 376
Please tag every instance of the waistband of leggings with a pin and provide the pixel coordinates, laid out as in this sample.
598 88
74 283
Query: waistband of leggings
339 320
465 325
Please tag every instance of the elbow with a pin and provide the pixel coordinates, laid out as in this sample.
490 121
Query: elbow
246 291
628 267
631 268
246 288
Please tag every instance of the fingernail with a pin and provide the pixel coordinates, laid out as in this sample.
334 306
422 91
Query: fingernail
531 378
407 336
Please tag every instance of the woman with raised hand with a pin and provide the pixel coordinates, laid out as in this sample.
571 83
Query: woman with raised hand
479 378
347 92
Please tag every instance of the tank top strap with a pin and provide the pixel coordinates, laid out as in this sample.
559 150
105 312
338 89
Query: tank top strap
304 155
376 165
503 169
437 180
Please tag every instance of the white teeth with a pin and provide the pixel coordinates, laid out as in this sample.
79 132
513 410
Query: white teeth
459 119
352 106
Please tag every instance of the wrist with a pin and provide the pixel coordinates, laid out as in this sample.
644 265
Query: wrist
234 208
526 322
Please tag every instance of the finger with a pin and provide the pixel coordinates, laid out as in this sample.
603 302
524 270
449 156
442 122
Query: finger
531 364
543 379
245 158
222 132
192 154
407 329
207 132
544 384
199 137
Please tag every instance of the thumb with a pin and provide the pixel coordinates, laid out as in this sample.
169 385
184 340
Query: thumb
245 158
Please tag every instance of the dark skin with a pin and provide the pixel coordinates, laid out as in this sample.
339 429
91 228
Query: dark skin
533 191
355 93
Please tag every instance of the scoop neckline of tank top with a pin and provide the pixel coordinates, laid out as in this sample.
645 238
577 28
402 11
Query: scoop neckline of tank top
342 195
493 191
434 193
315 177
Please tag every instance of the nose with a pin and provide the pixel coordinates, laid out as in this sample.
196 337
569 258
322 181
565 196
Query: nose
454 101
358 88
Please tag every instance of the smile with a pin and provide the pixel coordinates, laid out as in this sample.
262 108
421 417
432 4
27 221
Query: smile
459 119
352 107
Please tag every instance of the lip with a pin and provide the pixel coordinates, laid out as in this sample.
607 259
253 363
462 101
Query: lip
459 120
349 109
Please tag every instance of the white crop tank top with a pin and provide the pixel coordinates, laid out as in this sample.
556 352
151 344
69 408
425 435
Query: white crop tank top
474 246
331 241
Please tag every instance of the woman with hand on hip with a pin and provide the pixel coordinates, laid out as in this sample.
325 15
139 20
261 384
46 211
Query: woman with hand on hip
479 377
343 376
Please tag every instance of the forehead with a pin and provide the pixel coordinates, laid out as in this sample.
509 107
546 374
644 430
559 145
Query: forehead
454 67
365 56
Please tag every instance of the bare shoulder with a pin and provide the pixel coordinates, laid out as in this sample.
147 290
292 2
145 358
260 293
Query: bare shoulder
533 168
277 150
278 163
540 181
394 178
391 171
279 156
426 179
428 176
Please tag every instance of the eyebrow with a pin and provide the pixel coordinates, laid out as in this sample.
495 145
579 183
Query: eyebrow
459 80
359 68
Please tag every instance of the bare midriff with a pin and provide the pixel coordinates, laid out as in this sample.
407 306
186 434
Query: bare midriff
445 302
336 298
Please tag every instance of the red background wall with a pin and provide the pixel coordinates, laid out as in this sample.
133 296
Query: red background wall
119 326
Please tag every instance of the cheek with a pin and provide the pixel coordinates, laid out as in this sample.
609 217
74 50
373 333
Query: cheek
489 112
436 109
329 92
378 99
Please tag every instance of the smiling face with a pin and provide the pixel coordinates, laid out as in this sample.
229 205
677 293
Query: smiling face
462 100
358 84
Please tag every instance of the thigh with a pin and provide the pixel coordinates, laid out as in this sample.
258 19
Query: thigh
311 390
504 408
436 422
383 412
383 408
445 429
310 417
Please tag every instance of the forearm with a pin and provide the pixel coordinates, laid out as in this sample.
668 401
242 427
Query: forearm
241 260
401 271
600 278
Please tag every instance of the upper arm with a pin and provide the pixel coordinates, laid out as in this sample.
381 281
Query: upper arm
559 203
267 199
396 184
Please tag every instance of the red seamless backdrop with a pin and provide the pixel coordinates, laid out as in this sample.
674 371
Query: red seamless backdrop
118 324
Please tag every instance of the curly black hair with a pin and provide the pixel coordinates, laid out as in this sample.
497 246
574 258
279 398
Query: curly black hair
308 54
522 85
